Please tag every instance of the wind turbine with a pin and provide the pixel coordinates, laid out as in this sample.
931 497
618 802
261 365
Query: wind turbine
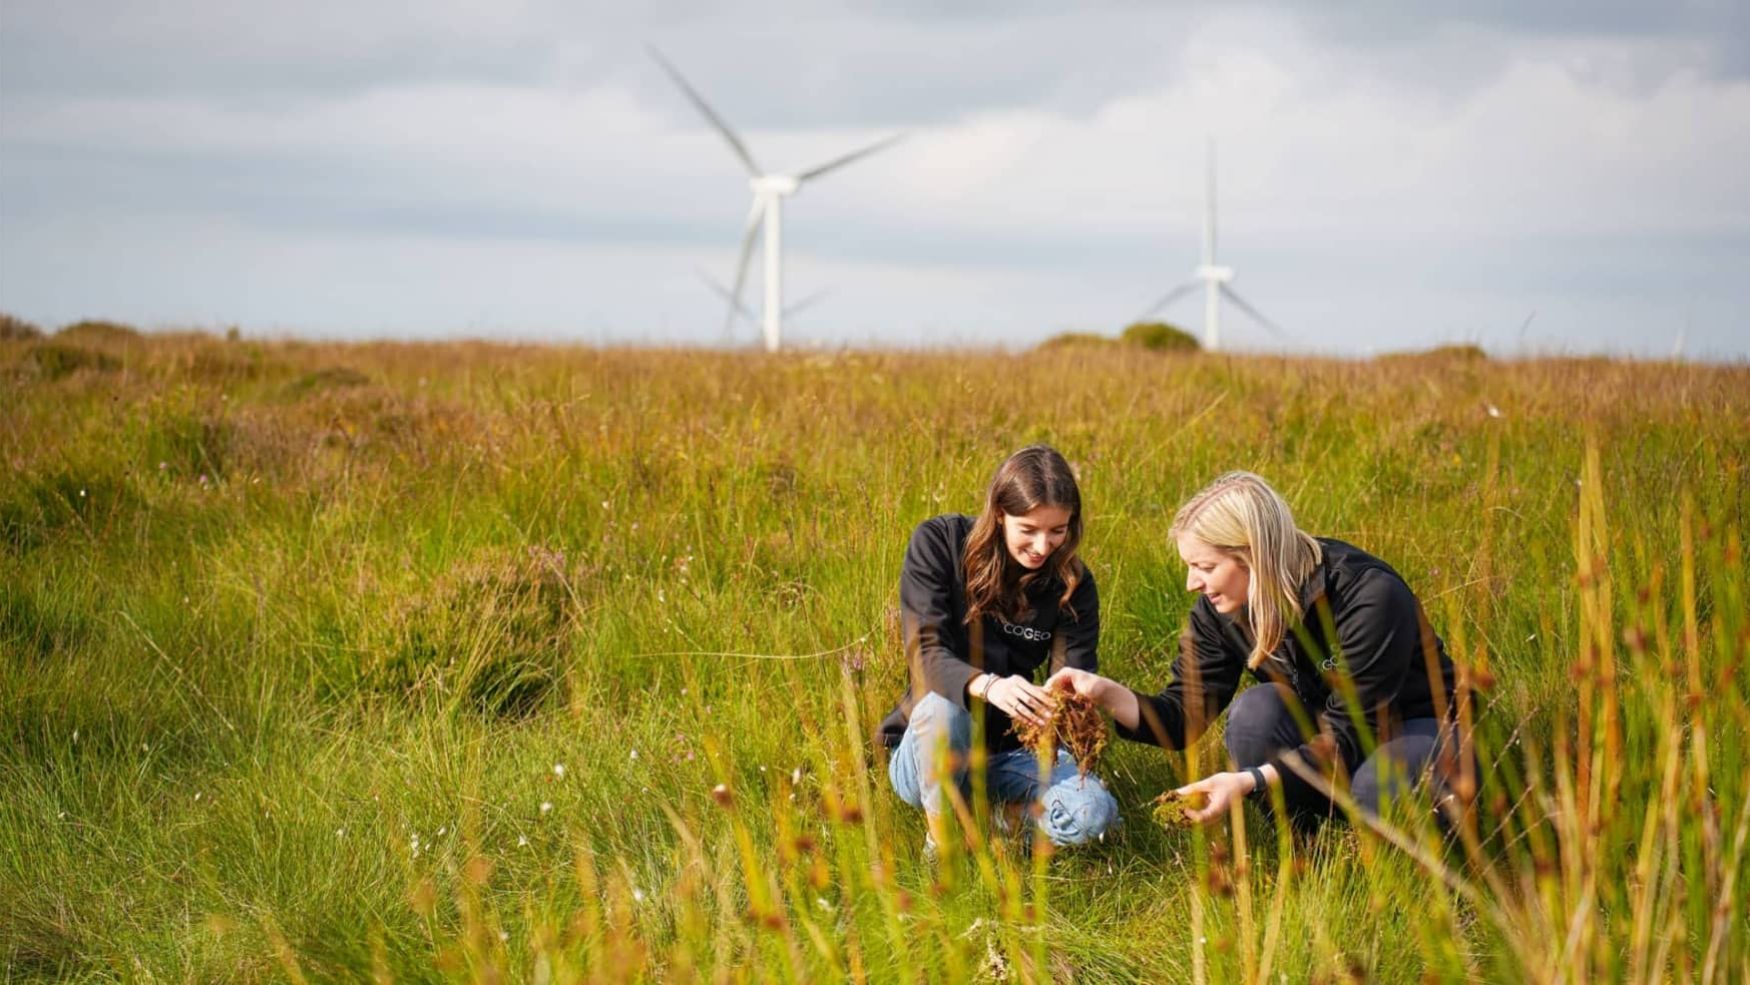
769 191
1212 278
747 314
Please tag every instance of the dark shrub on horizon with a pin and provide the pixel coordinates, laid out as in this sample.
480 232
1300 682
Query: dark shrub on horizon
1158 336
1454 352
97 331
14 327
1078 340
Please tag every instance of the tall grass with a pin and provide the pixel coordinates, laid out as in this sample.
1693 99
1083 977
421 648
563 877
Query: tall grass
463 662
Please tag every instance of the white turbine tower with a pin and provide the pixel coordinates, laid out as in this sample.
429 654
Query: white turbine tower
769 192
1212 278
744 313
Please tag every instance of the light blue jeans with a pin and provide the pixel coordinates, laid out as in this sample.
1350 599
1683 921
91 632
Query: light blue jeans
1076 810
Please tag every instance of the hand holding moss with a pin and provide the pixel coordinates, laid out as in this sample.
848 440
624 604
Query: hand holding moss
1202 802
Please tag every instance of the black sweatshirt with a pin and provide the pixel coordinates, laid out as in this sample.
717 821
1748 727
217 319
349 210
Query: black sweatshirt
945 654
1384 651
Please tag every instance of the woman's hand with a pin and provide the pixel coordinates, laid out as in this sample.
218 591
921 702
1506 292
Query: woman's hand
1019 698
1077 681
1112 697
1223 790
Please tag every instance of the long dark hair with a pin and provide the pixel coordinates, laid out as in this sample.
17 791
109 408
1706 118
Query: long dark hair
996 583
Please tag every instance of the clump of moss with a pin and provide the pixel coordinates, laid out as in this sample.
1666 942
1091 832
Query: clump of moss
492 633
1074 723
1173 810
55 360
327 378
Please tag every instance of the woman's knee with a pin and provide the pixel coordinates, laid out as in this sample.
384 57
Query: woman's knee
1254 726
1394 769
936 716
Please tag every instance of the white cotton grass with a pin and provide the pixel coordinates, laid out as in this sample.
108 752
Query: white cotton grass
546 806
559 770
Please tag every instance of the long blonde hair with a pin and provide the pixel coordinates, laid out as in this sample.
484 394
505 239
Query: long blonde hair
1239 514
1033 477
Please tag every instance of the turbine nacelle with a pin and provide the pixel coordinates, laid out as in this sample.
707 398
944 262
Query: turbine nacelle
1211 278
775 184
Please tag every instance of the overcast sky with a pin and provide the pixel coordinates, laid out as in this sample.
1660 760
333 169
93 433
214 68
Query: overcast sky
1529 176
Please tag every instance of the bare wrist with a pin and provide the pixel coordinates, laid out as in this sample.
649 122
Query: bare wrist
1105 688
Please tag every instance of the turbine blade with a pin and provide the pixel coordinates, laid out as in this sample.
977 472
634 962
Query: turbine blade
1240 303
1171 296
807 302
1526 324
839 162
723 292
699 103
754 215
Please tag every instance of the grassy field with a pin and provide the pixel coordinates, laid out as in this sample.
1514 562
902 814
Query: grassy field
463 662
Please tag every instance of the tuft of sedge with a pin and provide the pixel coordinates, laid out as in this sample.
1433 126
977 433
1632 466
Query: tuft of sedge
1479 678
1218 883
423 897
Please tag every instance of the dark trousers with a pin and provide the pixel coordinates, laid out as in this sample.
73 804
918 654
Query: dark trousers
1259 727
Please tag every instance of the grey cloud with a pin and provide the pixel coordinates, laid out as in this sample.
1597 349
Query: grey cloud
781 66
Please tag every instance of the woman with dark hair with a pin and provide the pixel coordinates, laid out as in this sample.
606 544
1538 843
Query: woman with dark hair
990 605
1351 679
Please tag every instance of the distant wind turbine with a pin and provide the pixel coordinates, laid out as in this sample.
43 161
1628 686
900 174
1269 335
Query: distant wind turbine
745 313
769 192
1213 279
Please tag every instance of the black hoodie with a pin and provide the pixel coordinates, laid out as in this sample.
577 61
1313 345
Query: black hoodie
1386 651
945 656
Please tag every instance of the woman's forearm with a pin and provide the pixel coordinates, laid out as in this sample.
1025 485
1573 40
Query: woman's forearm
1119 702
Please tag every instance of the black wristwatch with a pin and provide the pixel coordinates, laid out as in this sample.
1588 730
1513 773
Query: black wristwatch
1260 788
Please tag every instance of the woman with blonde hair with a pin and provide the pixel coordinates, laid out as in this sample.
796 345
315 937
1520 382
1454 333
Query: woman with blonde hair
1351 679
